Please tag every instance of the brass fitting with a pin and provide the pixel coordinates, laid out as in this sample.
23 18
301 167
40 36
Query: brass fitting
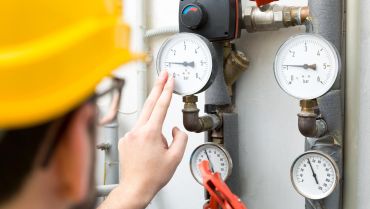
236 64
273 17
309 107
104 146
308 122
192 121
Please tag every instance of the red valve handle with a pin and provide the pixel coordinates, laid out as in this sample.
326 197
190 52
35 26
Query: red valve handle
263 2
221 195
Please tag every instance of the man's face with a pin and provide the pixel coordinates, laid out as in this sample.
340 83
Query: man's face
90 201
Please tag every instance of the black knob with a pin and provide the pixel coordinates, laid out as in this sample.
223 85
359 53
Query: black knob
193 16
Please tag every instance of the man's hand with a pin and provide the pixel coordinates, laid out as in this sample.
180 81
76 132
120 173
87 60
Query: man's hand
147 162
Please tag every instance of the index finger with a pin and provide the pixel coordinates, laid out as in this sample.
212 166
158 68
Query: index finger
160 109
152 99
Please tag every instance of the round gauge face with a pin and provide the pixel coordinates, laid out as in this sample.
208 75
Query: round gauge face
219 159
190 60
314 175
307 66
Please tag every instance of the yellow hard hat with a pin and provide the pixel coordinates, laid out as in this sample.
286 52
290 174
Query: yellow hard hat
53 53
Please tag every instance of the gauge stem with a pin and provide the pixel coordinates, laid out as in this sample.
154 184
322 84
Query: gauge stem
191 119
309 122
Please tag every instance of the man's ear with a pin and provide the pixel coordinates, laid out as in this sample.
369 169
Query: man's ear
73 157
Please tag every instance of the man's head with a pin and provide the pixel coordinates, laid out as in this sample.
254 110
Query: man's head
52 55
49 164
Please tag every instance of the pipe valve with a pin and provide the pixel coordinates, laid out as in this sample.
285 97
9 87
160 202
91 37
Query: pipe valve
236 63
273 17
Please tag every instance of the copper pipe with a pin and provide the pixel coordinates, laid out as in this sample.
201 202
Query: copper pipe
192 121
309 124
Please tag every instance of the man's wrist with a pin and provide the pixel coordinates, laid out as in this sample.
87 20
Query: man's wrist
126 196
139 196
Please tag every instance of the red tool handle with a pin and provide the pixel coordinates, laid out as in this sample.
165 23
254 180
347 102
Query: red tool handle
263 2
221 195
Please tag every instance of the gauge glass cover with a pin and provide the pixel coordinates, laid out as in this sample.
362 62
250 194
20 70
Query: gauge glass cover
190 59
219 158
314 175
307 66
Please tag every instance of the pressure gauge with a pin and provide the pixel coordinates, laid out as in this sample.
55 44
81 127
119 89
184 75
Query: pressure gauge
307 66
191 60
219 161
314 175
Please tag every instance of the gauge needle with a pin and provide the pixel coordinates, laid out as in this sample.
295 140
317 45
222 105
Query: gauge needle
185 64
305 66
313 172
205 151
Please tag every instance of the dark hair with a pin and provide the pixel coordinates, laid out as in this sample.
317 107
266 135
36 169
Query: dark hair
19 149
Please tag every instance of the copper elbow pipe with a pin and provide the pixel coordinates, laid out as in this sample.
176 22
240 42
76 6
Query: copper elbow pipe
191 119
308 122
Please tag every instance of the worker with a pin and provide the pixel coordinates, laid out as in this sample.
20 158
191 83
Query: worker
52 56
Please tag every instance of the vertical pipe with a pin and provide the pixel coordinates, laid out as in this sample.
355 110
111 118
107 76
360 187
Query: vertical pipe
328 22
217 93
327 18
140 46
231 143
111 165
352 112
363 180
137 20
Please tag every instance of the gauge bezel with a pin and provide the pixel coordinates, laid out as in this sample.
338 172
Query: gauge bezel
330 159
218 146
331 46
211 50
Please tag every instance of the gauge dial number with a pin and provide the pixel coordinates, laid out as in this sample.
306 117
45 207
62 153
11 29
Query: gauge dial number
189 59
314 175
307 66
219 160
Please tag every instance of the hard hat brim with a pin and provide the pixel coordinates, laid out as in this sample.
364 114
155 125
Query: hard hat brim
61 77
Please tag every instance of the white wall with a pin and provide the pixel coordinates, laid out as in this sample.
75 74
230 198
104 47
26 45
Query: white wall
267 119
269 136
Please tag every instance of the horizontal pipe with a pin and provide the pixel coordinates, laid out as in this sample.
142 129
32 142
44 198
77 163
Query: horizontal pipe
161 31
104 190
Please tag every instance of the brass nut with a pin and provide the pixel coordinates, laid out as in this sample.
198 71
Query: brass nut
287 17
190 99
308 103
247 18
305 13
308 106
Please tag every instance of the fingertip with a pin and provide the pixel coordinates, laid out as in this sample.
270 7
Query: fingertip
163 76
170 78
175 130
179 143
